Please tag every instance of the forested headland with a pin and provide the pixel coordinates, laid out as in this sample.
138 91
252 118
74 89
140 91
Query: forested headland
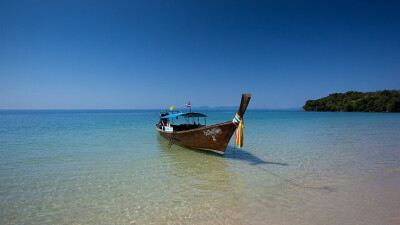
353 101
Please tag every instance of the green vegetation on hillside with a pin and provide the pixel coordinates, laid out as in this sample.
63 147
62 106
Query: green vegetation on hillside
352 101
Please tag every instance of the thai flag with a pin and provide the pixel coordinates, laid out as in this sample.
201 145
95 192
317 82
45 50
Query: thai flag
188 104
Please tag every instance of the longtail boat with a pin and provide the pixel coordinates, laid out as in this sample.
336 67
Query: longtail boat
200 136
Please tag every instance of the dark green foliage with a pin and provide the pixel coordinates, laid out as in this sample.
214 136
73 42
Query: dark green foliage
353 101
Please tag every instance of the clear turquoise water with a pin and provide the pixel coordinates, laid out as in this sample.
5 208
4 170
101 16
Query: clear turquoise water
111 167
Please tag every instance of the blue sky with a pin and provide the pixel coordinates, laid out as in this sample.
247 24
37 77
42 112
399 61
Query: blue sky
153 54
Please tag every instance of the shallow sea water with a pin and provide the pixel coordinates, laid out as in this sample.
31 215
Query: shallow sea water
111 167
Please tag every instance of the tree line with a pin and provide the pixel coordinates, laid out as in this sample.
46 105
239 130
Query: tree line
353 101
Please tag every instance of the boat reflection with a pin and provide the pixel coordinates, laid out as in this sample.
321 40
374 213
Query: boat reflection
207 171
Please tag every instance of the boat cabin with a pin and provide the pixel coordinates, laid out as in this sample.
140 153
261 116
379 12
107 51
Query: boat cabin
169 121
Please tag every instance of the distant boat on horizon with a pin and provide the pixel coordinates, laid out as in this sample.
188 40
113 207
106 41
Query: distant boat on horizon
198 135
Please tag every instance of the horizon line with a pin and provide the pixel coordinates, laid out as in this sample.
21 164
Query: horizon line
209 108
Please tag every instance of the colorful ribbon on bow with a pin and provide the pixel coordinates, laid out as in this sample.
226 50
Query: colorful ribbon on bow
238 121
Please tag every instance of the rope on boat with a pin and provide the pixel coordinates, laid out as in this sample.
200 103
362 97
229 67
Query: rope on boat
173 139
238 122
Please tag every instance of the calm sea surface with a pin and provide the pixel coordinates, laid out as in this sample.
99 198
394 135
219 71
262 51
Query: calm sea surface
111 167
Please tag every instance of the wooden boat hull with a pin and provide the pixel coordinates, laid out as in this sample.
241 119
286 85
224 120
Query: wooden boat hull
215 137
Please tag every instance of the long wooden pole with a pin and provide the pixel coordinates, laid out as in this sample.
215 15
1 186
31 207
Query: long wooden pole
243 104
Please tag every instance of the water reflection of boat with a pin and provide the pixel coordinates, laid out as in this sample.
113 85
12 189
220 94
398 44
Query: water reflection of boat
197 135
205 171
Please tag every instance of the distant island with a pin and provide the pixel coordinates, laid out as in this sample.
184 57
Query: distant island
353 101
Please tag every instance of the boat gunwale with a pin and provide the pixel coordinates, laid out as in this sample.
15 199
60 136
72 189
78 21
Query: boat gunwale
195 129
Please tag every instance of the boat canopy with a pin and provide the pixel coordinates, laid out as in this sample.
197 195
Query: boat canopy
187 115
